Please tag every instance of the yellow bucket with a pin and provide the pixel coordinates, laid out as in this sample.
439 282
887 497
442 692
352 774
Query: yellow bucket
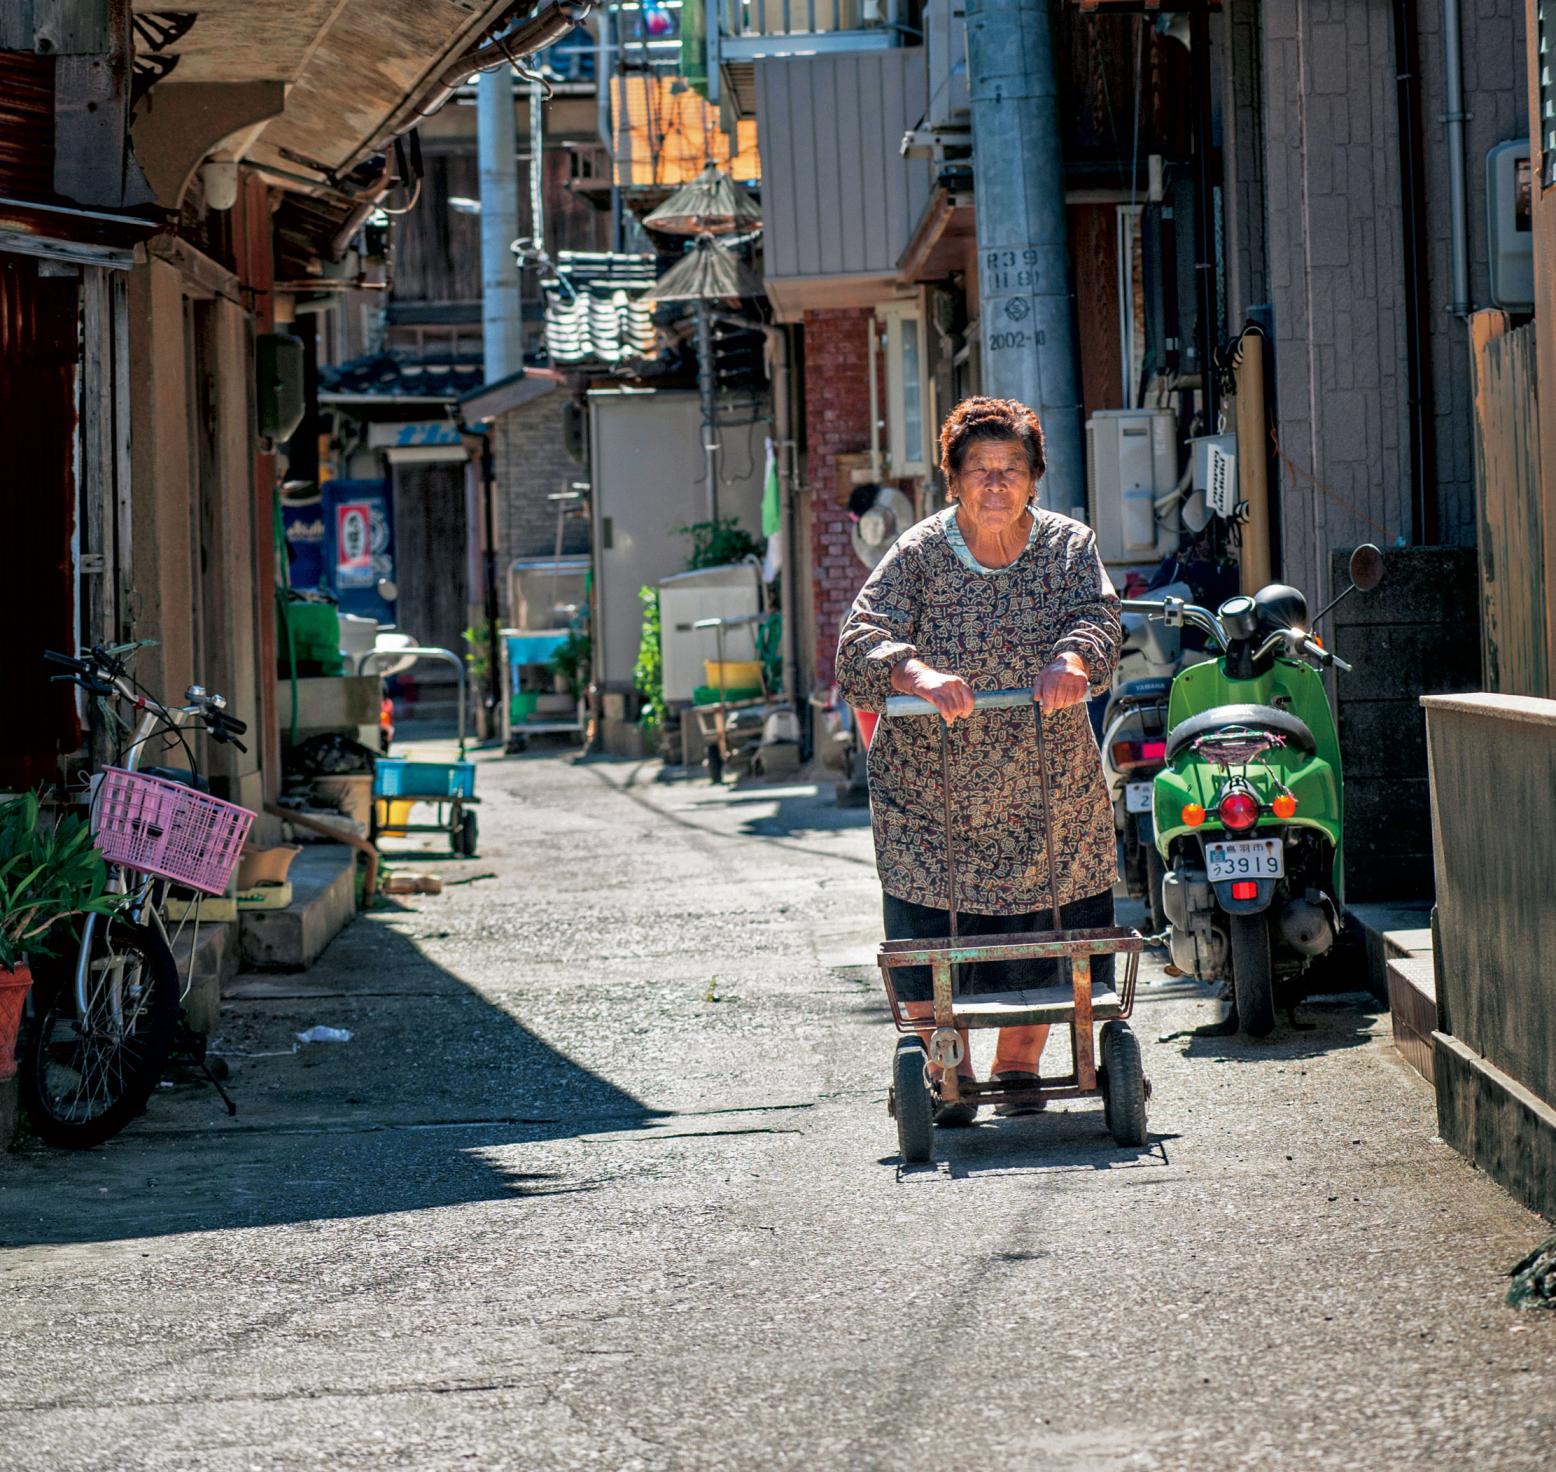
733 674
393 815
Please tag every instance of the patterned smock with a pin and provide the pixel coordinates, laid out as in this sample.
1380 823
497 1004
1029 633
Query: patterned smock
996 628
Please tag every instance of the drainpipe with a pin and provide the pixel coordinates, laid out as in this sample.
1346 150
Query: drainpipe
1205 210
1453 121
1026 312
707 390
502 323
1418 341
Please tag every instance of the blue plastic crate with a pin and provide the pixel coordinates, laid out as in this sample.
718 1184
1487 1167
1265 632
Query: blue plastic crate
393 776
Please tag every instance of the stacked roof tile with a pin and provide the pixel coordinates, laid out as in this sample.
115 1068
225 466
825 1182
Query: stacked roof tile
595 312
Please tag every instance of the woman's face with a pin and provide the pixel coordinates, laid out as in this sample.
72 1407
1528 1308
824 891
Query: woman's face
994 484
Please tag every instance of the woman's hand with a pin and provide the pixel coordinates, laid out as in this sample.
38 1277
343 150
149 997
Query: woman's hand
1062 683
951 695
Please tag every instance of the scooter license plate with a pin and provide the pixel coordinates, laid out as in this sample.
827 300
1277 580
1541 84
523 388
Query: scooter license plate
1259 858
1137 797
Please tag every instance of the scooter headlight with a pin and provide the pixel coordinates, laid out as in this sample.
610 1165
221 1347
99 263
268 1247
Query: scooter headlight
1238 811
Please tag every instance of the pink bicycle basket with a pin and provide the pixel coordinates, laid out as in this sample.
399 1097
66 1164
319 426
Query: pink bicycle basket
164 828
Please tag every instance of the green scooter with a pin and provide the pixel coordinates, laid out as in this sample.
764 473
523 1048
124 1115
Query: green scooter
1249 810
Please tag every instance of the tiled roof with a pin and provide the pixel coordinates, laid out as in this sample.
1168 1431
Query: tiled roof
395 375
603 319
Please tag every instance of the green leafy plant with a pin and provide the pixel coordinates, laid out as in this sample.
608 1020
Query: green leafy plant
648 674
478 654
48 873
571 661
716 543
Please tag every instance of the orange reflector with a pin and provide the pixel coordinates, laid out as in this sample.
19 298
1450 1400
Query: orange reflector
1245 889
1284 805
1193 814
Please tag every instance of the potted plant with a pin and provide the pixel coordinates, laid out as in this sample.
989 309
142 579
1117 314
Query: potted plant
48 873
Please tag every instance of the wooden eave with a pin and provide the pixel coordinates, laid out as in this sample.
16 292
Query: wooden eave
349 71
945 239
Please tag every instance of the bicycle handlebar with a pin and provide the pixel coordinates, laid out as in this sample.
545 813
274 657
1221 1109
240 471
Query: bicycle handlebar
912 705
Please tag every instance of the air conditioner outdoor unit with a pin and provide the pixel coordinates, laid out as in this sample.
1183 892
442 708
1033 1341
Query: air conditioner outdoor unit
1131 459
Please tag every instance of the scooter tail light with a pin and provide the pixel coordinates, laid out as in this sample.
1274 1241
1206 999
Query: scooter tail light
1125 754
1245 889
1153 751
1238 811
1193 814
1284 806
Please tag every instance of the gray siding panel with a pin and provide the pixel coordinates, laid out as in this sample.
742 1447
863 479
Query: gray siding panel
837 199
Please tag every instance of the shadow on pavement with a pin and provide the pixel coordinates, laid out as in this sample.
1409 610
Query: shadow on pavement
1324 1025
416 1111
1057 1141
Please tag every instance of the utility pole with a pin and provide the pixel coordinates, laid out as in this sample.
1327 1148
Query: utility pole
1027 314
502 321
502 311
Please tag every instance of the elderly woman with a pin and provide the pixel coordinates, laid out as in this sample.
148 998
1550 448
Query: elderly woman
993 592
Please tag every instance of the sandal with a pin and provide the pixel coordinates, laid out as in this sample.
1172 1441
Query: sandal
1031 1106
958 1115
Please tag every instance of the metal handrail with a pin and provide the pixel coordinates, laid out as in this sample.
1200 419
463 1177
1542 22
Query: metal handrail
419 651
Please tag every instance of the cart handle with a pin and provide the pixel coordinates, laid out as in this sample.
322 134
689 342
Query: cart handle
912 705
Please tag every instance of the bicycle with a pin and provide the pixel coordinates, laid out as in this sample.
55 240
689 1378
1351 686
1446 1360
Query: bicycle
98 1046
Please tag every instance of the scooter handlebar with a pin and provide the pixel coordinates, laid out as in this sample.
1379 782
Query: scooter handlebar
912 705
1325 657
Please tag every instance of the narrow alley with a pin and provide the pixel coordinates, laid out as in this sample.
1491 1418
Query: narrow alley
604 1178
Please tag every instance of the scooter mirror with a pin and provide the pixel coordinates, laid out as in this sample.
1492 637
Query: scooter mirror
1366 567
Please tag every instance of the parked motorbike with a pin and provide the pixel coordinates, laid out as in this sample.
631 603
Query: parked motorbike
1248 810
1134 744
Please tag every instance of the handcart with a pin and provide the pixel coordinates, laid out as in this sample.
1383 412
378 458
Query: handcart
1117 1075
713 719
399 784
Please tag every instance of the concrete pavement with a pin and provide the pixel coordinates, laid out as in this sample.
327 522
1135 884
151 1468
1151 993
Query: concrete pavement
604 1179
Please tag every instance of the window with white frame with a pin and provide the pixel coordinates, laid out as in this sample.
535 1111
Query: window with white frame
1545 27
907 387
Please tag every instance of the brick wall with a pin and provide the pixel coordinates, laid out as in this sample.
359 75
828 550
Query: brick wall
1335 252
837 422
531 463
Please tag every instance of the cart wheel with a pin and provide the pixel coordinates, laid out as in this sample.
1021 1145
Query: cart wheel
469 833
1124 1092
911 1104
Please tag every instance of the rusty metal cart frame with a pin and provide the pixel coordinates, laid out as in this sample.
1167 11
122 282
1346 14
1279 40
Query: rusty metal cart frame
1118 1076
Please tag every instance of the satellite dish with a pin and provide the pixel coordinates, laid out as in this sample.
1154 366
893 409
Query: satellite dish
880 524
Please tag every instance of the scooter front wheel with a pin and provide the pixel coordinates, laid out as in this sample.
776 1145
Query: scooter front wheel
1253 976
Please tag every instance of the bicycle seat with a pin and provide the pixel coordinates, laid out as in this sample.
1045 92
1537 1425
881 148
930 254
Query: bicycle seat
1252 717
181 775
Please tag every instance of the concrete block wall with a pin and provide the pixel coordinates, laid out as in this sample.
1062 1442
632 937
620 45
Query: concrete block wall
1417 633
1334 245
531 463
837 422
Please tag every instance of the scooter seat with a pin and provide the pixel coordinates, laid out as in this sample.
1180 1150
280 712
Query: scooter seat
1254 717
1132 692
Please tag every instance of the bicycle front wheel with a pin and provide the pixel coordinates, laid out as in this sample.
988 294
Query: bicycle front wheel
86 1077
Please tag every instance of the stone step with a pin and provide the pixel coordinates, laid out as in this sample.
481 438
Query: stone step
324 900
1412 991
215 966
1390 930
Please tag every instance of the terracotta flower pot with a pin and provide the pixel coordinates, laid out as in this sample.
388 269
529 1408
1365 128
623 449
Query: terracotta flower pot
15 982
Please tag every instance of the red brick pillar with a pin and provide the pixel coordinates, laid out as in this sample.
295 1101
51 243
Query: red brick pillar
837 422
